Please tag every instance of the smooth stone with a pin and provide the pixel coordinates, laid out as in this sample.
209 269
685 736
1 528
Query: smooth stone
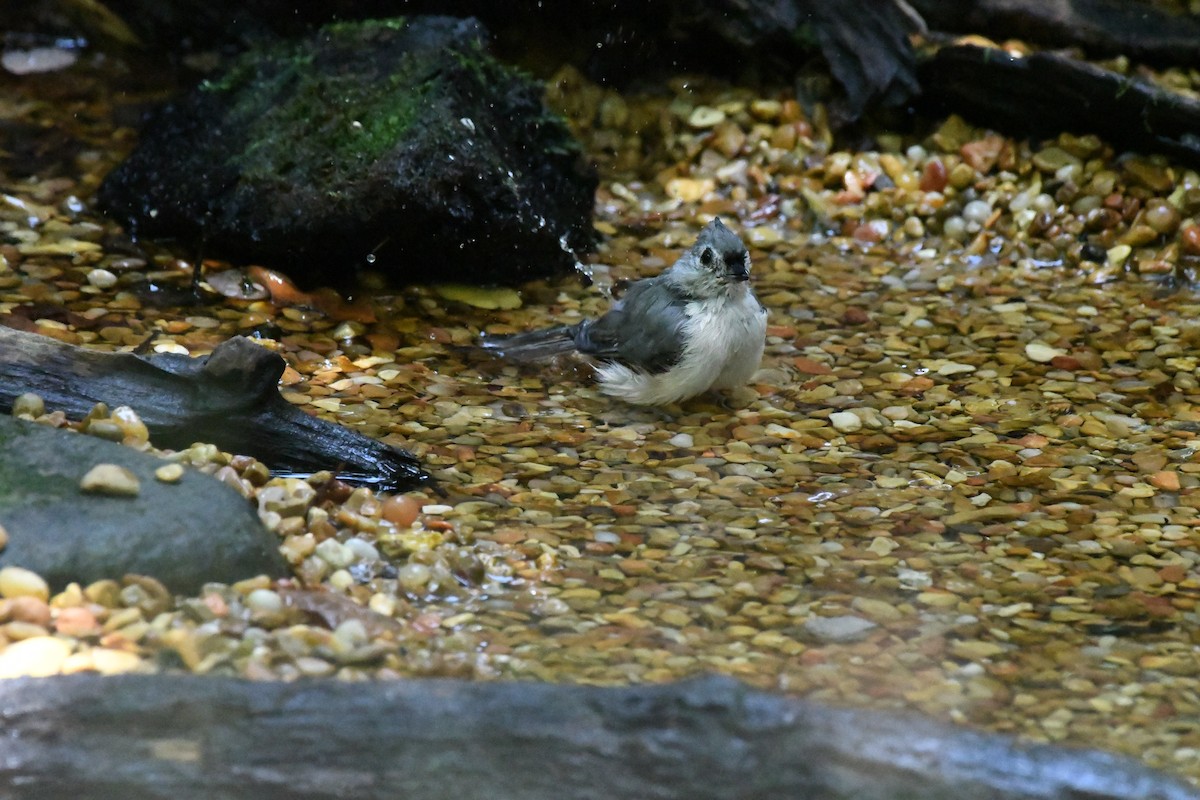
184 534
846 421
35 657
847 628
21 582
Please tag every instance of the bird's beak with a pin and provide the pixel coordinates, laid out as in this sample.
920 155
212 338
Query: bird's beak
740 272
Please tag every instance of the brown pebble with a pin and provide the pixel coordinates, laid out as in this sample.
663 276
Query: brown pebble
933 177
401 510
1190 236
982 154
1161 216
635 566
1068 363
33 610
811 367
855 316
1173 573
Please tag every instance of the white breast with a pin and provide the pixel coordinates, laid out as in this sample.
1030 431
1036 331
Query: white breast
725 337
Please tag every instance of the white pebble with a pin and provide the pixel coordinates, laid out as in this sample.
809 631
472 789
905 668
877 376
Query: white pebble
102 278
412 577
977 211
351 633
1040 352
706 117
845 628
954 368
846 421
37 59
954 228
335 554
363 550
264 601
681 440
436 509
341 580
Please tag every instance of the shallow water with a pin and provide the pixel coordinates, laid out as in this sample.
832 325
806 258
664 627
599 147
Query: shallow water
963 482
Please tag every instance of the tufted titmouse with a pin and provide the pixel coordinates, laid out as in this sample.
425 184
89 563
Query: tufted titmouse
695 327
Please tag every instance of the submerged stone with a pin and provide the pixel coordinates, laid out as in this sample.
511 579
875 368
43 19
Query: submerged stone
185 535
398 145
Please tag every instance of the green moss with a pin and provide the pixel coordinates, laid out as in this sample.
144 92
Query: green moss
293 116
353 27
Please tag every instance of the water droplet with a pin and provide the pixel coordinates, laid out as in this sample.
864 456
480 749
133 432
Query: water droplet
370 258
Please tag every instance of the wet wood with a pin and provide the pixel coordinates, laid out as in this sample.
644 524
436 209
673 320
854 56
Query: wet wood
229 398
1048 93
1140 31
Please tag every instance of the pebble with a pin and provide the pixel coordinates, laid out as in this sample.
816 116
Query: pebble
29 405
334 553
846 421
1052 159
35 657
1042 353
21 582
706 117
264 601
101 278
401 509
169 473
682 440
846 628
112 480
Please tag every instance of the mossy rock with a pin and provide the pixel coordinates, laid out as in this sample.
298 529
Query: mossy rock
396 143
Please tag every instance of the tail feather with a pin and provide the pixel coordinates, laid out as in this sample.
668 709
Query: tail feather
531 346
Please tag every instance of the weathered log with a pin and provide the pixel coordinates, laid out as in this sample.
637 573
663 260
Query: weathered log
180 737
1048 93
1102 28
229 398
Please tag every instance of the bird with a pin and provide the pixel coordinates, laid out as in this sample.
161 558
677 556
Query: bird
694 327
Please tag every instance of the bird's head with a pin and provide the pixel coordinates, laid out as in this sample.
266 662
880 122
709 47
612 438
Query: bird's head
718 260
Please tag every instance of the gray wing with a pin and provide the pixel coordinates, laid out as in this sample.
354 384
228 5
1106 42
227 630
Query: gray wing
643 330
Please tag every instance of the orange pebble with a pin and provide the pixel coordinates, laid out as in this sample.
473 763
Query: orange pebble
401 510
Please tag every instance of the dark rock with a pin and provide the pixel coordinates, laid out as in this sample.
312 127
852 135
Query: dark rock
183 737
398 144
183 534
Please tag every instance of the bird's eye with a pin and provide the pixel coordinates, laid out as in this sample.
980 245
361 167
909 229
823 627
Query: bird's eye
706 257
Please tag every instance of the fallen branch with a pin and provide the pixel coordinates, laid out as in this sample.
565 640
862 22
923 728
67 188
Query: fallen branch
229 398
1048 93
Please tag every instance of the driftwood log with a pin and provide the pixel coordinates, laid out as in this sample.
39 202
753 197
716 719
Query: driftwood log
1048 93
181 737
1141 31
229 398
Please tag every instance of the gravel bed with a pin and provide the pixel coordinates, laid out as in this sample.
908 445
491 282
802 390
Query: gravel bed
964 480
